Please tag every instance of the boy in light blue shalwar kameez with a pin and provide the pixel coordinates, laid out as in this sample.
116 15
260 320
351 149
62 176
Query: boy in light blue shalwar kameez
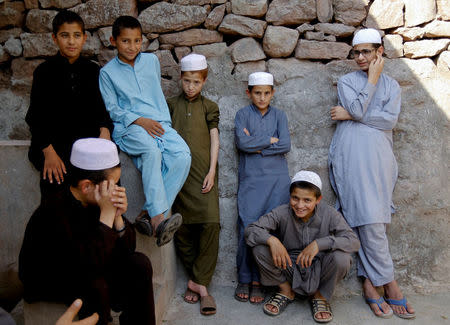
131 88
363 169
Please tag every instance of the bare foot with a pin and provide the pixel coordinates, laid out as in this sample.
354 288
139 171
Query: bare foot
393 291
371 292
198 288
321 315
256 298
156 220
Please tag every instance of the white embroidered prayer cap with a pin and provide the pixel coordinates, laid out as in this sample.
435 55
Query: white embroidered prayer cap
94 154
193 62
367 35
260 79
309 177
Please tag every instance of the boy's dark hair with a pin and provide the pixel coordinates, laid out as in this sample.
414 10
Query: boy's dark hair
251 87
306 186
95 176
125 22
203 73
66 16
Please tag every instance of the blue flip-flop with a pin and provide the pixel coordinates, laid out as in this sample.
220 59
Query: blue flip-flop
379 302
401 302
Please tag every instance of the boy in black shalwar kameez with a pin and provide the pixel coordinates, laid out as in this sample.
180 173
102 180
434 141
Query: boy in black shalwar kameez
78 245
65 103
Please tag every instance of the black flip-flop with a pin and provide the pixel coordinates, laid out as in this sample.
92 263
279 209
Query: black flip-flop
167 228
143 224
242 288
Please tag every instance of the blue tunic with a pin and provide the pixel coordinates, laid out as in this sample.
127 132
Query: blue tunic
263 177
362 165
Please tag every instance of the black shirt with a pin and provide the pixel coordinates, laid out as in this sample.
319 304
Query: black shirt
65 105
66 247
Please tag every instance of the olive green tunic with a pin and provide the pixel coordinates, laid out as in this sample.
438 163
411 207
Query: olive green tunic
193 121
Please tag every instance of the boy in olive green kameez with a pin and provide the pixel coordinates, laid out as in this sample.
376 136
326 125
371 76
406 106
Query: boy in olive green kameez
196 119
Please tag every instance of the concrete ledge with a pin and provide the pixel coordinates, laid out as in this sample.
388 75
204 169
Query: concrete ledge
20 196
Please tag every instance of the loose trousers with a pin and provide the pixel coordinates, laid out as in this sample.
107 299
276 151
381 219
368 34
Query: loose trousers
246 266
374 259
197 247
333 267
127 288
164 163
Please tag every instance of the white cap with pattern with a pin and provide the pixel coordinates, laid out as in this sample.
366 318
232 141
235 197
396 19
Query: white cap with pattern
260 79
309 177
367 35
94 154
193 62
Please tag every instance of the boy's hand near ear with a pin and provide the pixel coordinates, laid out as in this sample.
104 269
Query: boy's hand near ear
53 166
375 69
103 196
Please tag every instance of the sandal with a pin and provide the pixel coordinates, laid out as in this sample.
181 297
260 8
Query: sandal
321 306
242 288
167 228
191 293
257 291
401 302
277 300
379 302
143 224
207 305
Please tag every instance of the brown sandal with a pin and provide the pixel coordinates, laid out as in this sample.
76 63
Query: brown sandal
207 305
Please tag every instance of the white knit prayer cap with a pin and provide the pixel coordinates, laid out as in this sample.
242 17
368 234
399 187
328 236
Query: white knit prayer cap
366 36
193 62
307 176
94 154
260 79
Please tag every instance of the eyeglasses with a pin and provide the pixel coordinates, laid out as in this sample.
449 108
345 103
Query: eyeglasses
365 52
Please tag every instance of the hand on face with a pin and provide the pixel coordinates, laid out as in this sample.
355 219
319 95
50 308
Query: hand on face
375 68
119 200
104 195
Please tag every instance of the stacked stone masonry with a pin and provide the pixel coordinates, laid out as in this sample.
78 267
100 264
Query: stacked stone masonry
306 45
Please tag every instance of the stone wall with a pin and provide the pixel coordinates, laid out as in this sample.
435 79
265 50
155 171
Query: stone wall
305 44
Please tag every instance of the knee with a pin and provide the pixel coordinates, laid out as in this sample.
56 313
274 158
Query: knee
341 261
141 266
261 252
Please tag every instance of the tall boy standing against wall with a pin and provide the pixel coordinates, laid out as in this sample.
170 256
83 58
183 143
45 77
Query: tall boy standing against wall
363 169
196 118
131 88
262 138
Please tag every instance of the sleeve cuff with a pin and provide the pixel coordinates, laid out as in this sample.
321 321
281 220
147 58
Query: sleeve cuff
130 118
324 243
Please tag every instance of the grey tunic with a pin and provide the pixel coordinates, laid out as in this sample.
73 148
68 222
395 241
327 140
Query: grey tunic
362 166
326 226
